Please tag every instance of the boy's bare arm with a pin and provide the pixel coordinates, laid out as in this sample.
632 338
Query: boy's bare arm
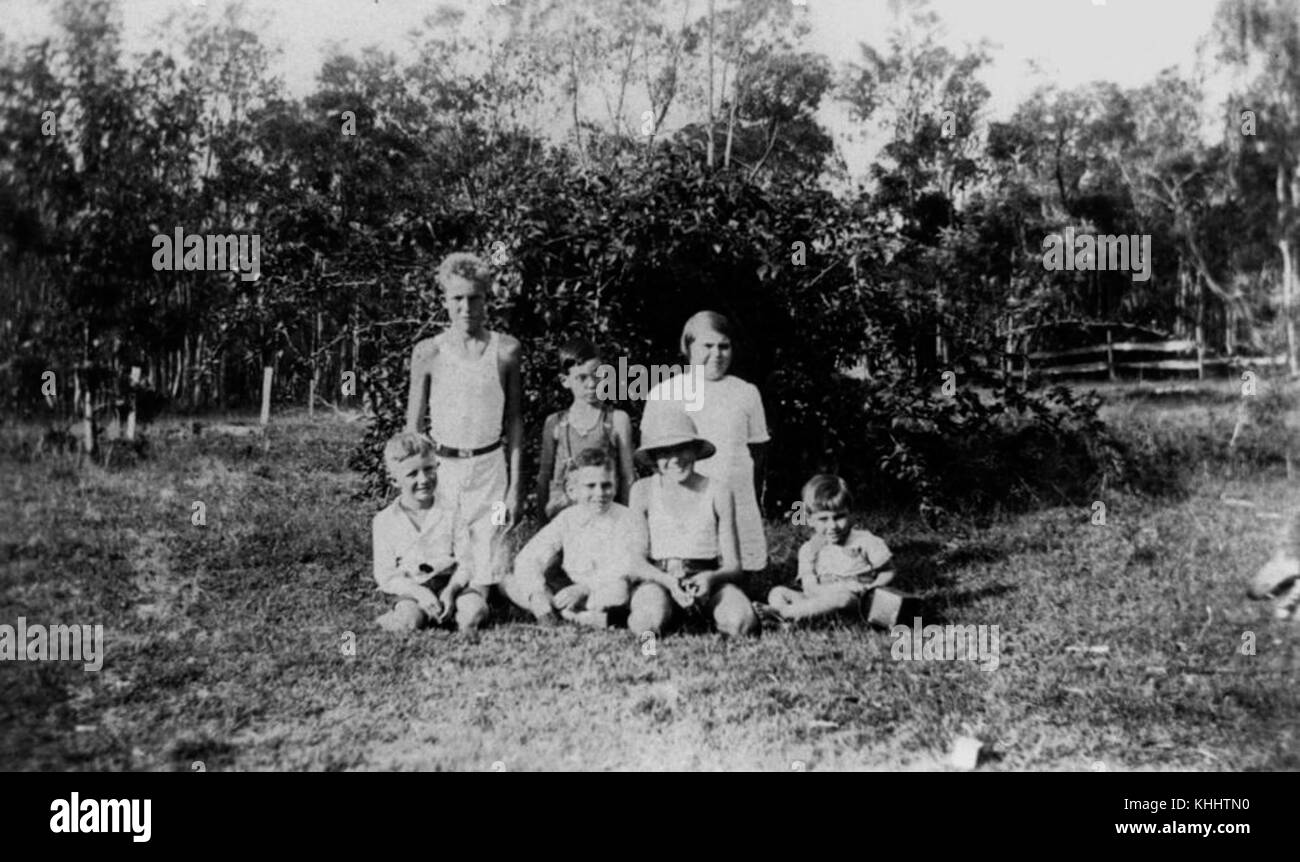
514 424
627 472
728 539
807 573
538 553
643 570
417 395
547 466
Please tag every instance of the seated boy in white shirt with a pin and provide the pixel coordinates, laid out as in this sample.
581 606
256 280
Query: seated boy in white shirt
601 543
414 547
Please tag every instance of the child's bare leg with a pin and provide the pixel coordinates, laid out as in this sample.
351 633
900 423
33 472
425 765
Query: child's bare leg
406 616
471 610
609 594
652 608
732 612
533 597
782 597
597 603
804 606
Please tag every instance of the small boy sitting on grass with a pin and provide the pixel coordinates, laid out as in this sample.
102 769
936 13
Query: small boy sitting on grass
600 542
838 565
414 546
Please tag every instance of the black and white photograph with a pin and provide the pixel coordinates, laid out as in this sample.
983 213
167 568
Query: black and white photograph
703 386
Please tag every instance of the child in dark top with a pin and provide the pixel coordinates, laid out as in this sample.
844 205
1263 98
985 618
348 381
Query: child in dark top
584 424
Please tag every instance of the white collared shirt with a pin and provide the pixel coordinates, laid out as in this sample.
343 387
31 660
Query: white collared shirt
400 549
593 543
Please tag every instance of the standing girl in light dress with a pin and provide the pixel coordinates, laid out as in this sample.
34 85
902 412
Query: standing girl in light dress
730 416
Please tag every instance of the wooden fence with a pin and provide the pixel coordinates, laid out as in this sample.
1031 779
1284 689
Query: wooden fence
1111 358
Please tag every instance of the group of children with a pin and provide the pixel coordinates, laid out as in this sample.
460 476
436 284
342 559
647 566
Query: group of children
682 541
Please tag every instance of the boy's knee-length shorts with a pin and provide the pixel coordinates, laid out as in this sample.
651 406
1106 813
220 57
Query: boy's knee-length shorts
475 489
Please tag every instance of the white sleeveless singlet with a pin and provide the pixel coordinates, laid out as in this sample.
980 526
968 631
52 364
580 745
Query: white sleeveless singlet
466 401
688 534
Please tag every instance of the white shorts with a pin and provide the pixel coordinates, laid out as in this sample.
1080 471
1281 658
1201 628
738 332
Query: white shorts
475 489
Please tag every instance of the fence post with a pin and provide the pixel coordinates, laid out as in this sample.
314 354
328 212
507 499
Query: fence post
1200 351
266 394
88 420
1110 356
130 417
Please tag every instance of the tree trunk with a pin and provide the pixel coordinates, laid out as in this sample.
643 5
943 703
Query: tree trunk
731 114
196 388
709 157
1200 329
315 369
356 337
1288 303
221 381
1229 330
173 371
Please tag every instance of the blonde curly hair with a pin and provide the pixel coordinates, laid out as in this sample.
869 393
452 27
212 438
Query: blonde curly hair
470 267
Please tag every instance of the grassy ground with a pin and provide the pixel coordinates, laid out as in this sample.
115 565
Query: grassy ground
225 642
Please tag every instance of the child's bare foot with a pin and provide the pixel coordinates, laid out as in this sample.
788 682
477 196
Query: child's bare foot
595 619
769 616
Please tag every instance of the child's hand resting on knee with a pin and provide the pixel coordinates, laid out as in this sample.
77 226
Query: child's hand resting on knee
570 596
429 603
448 600
699 584
679 594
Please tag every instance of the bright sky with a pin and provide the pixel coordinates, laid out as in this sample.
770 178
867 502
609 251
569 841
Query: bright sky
1073 41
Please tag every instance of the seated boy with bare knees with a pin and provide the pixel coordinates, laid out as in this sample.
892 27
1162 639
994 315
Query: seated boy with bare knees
691 535
414 546
839 564
600 542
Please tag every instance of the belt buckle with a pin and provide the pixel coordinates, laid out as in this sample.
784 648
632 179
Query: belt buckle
464 453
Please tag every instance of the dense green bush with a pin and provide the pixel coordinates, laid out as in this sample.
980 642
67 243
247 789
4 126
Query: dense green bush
976 450
626 256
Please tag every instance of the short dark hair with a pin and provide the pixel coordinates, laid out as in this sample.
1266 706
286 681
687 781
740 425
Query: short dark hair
826 493
593 456
576 351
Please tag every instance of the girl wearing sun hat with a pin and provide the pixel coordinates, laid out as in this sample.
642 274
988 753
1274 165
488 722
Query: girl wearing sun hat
729 413
691 526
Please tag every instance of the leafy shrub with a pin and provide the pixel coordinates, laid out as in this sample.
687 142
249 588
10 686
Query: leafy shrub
625 256
975 450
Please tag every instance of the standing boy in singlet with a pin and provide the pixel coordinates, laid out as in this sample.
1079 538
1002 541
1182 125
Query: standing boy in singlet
465 385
